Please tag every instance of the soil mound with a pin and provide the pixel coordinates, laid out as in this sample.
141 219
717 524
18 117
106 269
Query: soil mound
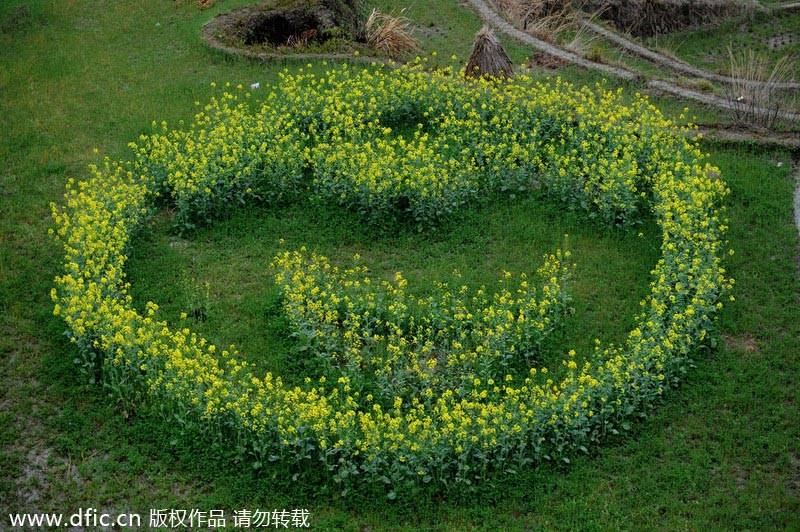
275 24
641 18
645 18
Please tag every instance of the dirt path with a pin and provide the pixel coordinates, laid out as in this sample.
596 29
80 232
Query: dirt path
789 141
790 6
489 15
723 103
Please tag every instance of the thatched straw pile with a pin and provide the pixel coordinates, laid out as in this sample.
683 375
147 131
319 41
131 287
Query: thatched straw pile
488 59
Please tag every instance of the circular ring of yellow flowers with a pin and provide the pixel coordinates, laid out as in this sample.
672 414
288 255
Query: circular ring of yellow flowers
586 146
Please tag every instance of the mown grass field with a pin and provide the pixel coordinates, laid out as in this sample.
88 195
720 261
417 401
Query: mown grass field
721 453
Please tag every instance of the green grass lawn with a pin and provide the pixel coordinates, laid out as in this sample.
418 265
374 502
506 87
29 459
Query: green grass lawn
721 453
224 271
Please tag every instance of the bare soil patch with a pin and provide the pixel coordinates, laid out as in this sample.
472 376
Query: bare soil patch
779 42
746 344
275 24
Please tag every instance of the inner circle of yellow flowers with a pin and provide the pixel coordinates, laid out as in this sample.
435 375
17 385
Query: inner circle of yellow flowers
588 147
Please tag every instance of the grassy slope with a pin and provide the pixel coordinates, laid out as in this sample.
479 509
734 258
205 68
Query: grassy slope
708 48
74 75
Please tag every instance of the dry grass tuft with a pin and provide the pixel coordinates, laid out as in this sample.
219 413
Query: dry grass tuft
303 39
488 58
666 47
549 27
390 34
551 20
539 9
544 19
747 97
696 84
511 10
